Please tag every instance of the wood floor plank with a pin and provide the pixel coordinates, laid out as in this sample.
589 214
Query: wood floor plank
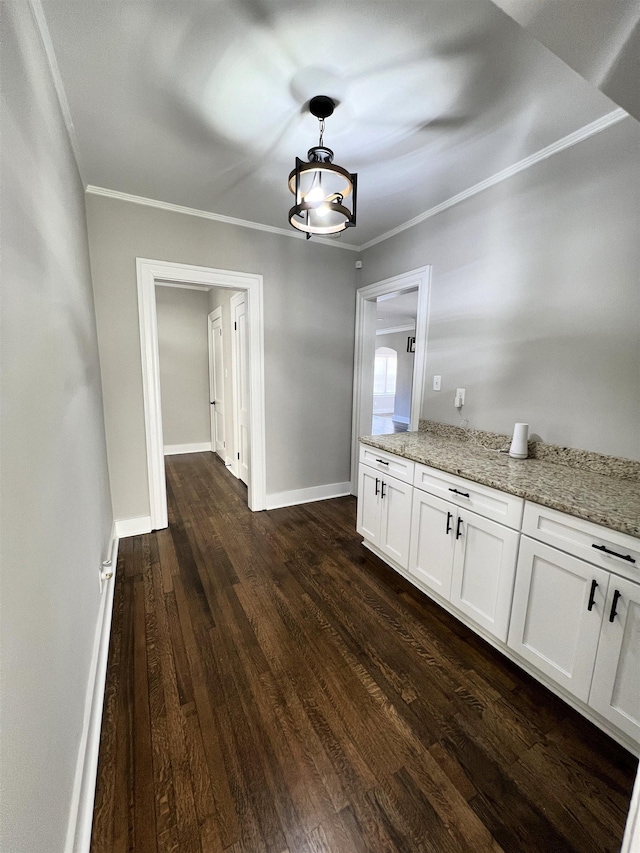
273 687
144 801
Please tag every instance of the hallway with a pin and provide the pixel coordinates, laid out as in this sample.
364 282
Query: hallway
272 686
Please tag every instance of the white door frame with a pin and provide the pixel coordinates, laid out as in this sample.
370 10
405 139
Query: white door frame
149 273
363 360
235 395
214 315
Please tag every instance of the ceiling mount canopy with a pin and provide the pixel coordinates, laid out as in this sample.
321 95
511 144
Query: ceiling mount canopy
320 186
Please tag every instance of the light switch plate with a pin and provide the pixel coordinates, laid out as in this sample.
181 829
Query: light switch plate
436 382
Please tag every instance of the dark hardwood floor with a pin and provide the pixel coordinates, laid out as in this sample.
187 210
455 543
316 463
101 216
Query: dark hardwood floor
272 686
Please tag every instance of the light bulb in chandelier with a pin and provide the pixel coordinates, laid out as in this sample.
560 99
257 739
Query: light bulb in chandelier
315 195
320 186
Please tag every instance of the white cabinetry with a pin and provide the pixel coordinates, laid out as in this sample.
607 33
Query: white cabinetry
558 604
384 506
465 558
569 611
484 567
615 690
576 621
431 550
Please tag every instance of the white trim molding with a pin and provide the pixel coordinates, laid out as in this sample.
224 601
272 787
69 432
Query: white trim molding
568 141
78 838
177 449
133 526
216 217
407 327
276 500
363 354
562 144
149 273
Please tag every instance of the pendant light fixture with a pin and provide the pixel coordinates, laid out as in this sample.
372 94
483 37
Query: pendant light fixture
325 193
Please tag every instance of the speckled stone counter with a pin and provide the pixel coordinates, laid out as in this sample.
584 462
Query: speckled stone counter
608 500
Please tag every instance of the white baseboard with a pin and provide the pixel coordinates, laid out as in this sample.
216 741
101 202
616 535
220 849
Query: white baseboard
84 787
133 526
198 447
305 496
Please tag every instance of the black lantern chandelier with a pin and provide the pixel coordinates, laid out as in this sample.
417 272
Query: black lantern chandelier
322 189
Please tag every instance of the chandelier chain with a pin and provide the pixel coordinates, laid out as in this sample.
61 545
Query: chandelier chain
321 140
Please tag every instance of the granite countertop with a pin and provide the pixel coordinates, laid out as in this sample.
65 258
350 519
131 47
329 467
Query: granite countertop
611 501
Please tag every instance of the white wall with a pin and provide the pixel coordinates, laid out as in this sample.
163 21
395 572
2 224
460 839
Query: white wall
220 297
56 513
309 311
535 303
184 364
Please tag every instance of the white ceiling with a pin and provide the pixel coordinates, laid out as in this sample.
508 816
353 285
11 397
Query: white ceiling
600 40
201 104
398 310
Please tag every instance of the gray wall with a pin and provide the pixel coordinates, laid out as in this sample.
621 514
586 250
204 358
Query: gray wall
56 512
220 297
535 303
184 364
309 307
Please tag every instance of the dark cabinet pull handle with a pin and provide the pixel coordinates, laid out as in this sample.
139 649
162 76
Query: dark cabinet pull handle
449 520
377 485
459 528
592 594
456 492
616 595
382 491
606 550
382 462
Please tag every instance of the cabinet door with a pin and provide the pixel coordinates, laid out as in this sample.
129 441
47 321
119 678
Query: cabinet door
368 516
558 605
433 523
395 519
615 689
484 566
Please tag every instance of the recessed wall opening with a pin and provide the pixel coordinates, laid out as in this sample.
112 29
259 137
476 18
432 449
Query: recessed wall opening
236 300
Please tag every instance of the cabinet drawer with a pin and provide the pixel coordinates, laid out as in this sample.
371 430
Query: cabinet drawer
488 502
388 463
584 539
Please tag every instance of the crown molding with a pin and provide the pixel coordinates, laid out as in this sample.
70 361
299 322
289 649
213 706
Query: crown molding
217 217
568 141
391 330
45 37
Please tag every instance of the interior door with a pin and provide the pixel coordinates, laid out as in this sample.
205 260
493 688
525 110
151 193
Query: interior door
242 461
216 383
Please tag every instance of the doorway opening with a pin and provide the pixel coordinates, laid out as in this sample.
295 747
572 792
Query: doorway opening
248 286
385 372
391 315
